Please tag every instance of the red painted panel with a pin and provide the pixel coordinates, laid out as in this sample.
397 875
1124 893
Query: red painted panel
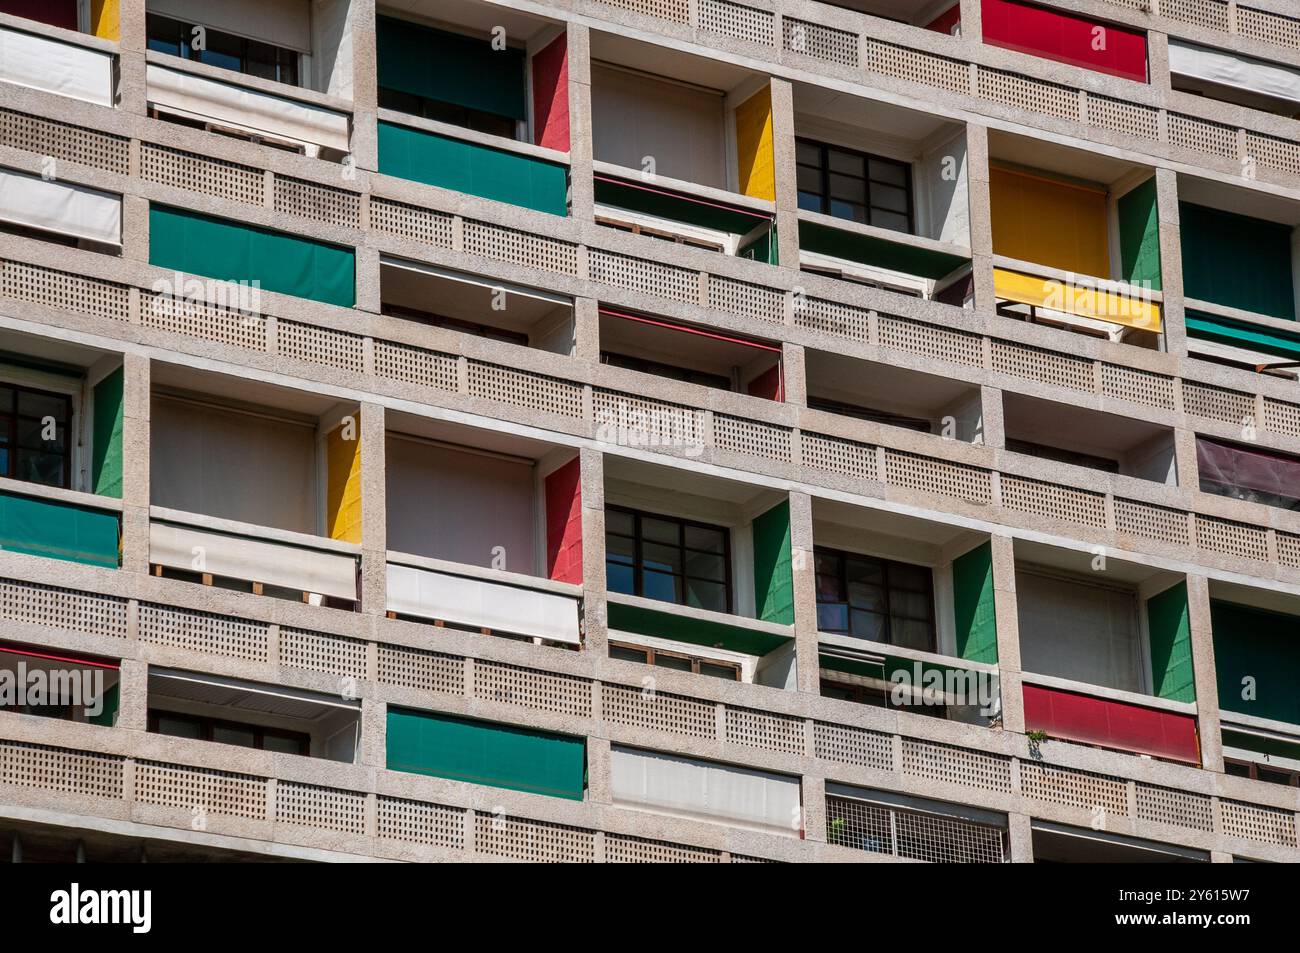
551 95
769 384
947 22
564 523
1066 38
54 12
1111 724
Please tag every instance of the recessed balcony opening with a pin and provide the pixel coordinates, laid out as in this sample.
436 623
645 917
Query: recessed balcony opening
1063 433
60 213
693 355
477 306
683 148
53 683
1076 240
905 615
698 570
941 17
260 493
895 396
1105 647
1251 473
883 195
1229 77
1240 258
1257 666
1061 844
484 531
276 718
234 68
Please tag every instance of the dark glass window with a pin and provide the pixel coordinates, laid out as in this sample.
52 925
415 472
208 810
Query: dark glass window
875 599
660 369
467 118
669 559
878 698
853 185
1260 772
225 50
34 443
869 413
228 732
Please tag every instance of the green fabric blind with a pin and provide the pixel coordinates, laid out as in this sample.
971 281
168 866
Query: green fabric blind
973 609
106 441
1252 337
450 67
1236 261
869 250
480 752
58 530
773 578
666 625
477 170
676 208
1139 235
230 251
1171 644
764 248
112 700
1264 646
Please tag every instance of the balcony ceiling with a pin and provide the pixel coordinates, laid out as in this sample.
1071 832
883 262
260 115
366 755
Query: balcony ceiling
46 350
885 523
1227 198
472 438
1045 421
238 391
670 64
890 122
1061 160
470 17
1079 563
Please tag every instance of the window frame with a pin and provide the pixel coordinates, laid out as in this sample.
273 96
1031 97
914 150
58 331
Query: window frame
185 29
696 661
69 395
207 725
824 174
638 561
843 556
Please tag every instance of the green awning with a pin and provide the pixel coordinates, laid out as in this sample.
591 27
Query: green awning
859 667
1236 261
488 753
231 251
653 200
666 625
877 252
1252 337
450 67
461 166
41 527
1257 661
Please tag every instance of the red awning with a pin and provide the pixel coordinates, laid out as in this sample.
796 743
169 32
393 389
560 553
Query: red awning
1247 468
1111 724
1066 38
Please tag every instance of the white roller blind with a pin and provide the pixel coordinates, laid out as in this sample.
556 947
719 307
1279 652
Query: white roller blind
475 602
284 23
694 788
58 207
1079 631
1227 69
237 557
233 465
635 116
459 506
56 67
251 111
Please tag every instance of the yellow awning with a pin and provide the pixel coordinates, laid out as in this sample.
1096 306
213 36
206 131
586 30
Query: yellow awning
1077 299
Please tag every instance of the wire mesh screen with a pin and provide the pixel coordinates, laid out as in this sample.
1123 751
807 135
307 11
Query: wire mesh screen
915 835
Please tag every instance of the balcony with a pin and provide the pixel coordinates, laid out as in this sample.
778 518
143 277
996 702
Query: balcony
1065 37
261 495
36 680
39 57
70 215
1232 78
883 195
913 828
1062 844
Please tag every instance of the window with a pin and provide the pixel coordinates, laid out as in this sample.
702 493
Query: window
663 234
674 660
224 50
199 728
853 185
875 599
456 324
464 116
1077 458
878 698
1259 772
34 440
669 559
671 371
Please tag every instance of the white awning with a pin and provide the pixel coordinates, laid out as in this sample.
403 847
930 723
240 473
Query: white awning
62 68
256 112
706 789
71 210
476 602
255 560
1228 69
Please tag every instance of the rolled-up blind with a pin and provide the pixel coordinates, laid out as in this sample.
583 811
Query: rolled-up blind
42 63
1239 72
1078 631
1066 38
71 210
1049 222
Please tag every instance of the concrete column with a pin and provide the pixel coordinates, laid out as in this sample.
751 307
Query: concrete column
992 429
1203 672
586 329
136 398
595 612
787 186
135 229
814 808
599 789
1185 459
1171 261
132 96
794 374
972 23
368 282
1004 603
374 510
133 694
581 188
1021 837
805 593
374 733
981 218
365 85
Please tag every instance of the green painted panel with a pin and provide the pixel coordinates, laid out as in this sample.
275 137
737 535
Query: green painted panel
762 248
973 609
450 67
1240 334
1139 235
1171 644
58 530
474 169
482 752
676 208
879 252
1262 646
1235 261
866 669
665 625
231 251
106 443
773 577
112 700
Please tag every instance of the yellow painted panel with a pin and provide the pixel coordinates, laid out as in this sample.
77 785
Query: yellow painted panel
343 480
105 19
1075 299
1049 222
756 164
